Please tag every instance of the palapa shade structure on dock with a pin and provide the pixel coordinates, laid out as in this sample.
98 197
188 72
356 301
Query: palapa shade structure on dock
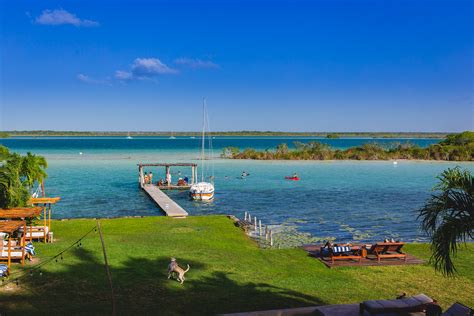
9 227
46 203
168 166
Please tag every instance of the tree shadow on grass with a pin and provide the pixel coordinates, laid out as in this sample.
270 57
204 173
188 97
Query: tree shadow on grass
141 286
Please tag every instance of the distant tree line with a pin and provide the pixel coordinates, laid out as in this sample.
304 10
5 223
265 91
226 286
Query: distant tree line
456 147
224 133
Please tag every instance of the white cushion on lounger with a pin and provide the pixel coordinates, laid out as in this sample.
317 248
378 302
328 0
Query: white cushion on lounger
37 231
35 228
34 234
13 243
15 253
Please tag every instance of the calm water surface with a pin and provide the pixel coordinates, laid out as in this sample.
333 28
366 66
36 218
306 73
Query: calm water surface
348 200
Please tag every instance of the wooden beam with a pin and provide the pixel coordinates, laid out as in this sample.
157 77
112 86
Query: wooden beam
189 164
44 200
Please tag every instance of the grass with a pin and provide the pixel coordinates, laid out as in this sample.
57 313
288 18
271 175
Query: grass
229 273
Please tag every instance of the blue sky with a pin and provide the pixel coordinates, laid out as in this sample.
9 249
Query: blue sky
328 65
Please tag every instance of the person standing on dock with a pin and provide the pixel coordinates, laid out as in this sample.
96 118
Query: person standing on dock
145 178
150 177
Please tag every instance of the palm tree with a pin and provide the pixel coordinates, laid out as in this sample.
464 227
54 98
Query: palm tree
448 217
18 174
33 169
12 191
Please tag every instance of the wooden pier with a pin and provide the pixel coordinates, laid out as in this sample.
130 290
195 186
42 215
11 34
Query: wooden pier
170 207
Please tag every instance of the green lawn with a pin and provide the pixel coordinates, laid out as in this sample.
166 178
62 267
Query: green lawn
229 273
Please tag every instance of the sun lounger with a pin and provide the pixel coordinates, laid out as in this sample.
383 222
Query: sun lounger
385 250
16 251
412 304
342 253
36 232
458 309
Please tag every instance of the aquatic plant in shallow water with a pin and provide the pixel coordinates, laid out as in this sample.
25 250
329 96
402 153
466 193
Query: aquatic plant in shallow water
288 236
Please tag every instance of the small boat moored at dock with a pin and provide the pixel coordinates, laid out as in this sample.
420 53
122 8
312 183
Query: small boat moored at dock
202 191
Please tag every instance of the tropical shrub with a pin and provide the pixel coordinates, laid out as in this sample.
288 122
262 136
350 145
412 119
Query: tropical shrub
448 217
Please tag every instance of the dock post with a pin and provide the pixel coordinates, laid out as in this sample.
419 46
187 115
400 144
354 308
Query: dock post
245 216
193 173
271 238
260 227
140 176
266 232
255 223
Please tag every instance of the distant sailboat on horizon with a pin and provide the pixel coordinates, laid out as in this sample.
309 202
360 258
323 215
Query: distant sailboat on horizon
128 136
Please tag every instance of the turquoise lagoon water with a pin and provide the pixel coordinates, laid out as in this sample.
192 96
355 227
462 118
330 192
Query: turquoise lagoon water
346 200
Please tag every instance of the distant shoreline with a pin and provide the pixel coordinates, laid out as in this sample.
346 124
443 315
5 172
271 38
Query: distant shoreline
329 135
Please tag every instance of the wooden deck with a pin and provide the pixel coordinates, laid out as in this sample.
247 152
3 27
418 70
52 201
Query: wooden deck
313 250
170 207
174 187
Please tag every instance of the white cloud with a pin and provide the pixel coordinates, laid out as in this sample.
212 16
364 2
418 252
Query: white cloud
87 79
149 67
196 63
123 75
145 69
61 17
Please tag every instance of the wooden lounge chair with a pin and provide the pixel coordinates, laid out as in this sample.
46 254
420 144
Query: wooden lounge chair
342 253
386 250
417 303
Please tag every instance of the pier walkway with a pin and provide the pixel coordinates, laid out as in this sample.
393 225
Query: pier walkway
170 207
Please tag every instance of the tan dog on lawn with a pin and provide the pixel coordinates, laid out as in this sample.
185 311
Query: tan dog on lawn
173 267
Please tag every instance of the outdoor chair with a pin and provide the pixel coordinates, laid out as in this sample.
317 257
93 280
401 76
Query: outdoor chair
36 232
386 250
342 253
417 303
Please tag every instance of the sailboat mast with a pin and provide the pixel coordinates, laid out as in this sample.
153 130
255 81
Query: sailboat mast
203 137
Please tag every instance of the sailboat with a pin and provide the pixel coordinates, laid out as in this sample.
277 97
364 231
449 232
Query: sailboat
202 191
172 137
128 136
